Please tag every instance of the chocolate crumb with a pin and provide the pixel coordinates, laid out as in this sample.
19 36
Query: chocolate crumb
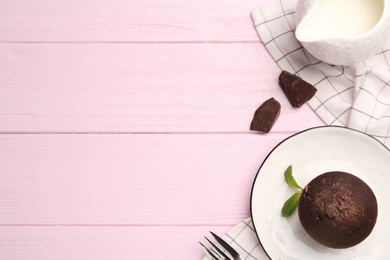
297 91
266 116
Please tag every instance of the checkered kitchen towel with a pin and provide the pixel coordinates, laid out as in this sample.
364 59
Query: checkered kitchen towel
353 96
243 238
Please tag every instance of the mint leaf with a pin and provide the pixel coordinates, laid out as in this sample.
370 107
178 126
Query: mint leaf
291 205
288 177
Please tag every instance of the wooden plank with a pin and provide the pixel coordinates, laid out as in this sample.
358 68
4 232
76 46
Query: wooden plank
127 21
129 179
139 88
104 242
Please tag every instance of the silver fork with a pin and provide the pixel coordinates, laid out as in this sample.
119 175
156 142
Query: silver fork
215 253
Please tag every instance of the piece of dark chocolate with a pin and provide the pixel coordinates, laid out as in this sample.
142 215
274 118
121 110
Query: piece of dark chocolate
266 116
297 91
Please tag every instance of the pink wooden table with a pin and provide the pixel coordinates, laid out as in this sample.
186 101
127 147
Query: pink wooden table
124 125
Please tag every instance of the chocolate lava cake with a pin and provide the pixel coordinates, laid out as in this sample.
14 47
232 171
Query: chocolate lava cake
338 210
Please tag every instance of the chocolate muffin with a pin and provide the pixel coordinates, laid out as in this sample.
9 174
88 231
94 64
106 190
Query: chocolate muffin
338 210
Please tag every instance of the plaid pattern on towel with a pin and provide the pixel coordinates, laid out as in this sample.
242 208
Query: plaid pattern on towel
243 239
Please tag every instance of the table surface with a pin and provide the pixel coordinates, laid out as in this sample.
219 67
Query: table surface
124 125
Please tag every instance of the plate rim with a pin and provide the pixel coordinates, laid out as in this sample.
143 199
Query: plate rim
281 143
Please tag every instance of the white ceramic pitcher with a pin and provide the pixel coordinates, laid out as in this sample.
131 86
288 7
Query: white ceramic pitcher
342 32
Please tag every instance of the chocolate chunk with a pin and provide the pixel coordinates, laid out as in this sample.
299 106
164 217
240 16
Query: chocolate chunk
297 91
265 116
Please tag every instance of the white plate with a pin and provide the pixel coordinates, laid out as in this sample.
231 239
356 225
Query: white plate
313 152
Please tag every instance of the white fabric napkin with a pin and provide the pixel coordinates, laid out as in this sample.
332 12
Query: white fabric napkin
353 96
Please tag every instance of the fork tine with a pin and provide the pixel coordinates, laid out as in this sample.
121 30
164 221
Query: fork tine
218 250
226 246
208 252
